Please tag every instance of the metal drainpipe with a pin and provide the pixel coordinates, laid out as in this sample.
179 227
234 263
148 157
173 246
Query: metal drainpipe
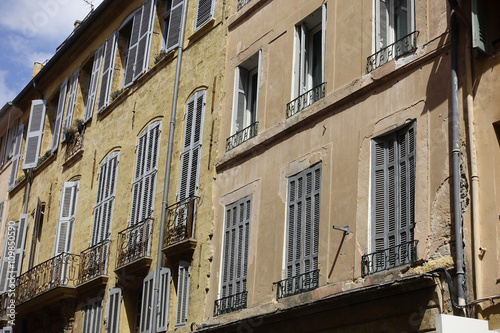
456 160
166 186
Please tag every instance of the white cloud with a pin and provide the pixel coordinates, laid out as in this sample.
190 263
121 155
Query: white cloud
6 93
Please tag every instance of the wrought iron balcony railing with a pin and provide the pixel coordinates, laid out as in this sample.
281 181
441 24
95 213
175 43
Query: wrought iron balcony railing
241 136
305 100
74 145
242 3
230 303
405 45
4 303
93 262
298 284
180 221
59 271
134 242
405 253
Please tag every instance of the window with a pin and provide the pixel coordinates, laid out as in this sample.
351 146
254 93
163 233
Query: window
172 20
17 154
393 21
67 207
204 12
182 293
16 231
9 143
147 307
107 72
35 132
56 130
36 233
92 313
113 310
303 224
146 167
393 198
103 209
68 119
309 57
89 100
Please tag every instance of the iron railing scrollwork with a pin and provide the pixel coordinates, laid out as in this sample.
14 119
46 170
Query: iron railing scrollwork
230 303
134 242
59 271
180 221
305 100
241 136
402 254
405 45
93 262
74 145
298 284
4 303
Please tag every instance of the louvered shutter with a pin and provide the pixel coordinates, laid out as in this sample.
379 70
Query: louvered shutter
174 25
182 293
22 225
113 310
67 208
304 57
406 189
92 313
401 16
58 116
164 296
34 136
1 210
107 72
241 78
204 12
17 156
147 303
68 120
9 143
132 49
146 33
10 232
303 221
94 79
480 34
382 24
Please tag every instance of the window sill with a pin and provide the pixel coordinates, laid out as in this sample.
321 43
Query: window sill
201 31
114 103
73 159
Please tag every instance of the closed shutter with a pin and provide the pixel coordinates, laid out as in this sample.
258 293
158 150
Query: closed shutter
132 48
236 237
105 198
94 79
164 286
22 225
204 12
147 303
17 155
146 167
68 120
34 136
92 313
303 221
147 307
107 72
146 33
174 25
113 310
182 293
67 208
58 116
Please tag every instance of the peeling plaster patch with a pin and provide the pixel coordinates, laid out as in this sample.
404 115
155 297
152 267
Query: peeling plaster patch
438 242
464 189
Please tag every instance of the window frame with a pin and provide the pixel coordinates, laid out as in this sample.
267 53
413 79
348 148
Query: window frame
391 30
197 23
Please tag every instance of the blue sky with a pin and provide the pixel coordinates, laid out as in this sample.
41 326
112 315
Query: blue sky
31 30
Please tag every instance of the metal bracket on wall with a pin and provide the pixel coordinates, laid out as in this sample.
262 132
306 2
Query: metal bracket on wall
344 229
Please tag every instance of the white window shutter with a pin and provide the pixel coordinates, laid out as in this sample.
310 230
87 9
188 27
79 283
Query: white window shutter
11 230
147 303
174 25
67 208
107 72
68 120
164 290
204 12
34 136
58 116
94 79
132 49
182 293
17 156
146 33
92 313
241 104
113 310
22 225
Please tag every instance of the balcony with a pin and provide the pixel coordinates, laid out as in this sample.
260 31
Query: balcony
4 302
242 3
52 281
134 245
74 146
179 236
298 284
305 100
405 253
93 262
230 303
239 137
405 45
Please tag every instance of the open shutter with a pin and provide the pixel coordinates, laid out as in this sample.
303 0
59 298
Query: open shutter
10 231
241 79
146 33
22 225
204 12
34 136
92 313
147 303
94 79
113 311
164 290
66 217
58 116
107 72
182 293
17 155
480 38
174 25
68 120
132 49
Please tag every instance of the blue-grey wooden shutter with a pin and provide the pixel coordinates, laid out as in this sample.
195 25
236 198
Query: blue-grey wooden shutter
236 238
58 116
145 35
68 119
94 80
17 156
182 293
113 310
132 48
304 191
174 25
22 226
67 208
164 286
204 12
480 34
107 72
35 132
92 313
147 303
147 306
